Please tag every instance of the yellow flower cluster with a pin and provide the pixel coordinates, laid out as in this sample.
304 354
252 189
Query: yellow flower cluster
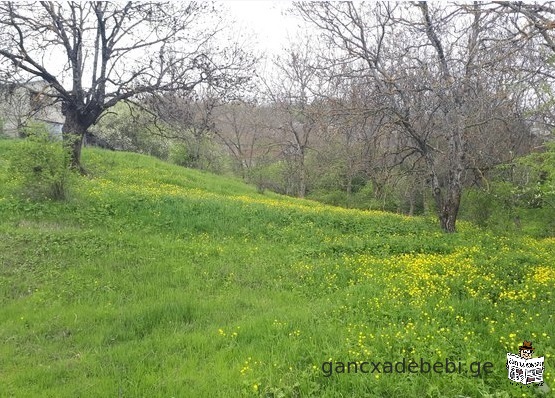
231 335
544 275
413 278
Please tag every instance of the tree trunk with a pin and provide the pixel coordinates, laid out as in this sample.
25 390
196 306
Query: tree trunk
411 203
425 204
302 174
456 169
447 205
302 181
448 202
449 212
73 132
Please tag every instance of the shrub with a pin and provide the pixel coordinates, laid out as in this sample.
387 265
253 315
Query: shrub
197 153
125 127
335 197
39 164
267 175
520 197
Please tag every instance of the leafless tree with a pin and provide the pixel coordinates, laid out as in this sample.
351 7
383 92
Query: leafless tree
292 93
427 69
244 129
539 19
113 52
533 23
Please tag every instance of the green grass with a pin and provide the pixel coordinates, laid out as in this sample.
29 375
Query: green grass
157 281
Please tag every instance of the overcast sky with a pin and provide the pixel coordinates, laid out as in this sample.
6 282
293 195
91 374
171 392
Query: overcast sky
262 25
266 20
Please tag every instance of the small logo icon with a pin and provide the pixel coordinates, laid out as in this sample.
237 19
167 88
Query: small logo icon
523 368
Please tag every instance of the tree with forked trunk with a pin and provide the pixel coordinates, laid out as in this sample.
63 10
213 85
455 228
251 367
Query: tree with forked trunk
427 71
95 54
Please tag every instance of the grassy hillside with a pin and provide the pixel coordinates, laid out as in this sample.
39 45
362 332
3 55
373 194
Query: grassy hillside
157 281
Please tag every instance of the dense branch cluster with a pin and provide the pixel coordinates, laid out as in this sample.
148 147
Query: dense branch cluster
113 52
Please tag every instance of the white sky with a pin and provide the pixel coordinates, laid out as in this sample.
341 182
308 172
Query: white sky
265 22
261 25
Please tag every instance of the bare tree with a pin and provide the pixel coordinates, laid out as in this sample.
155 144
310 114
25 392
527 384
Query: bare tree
292 94
533 24
539 19
427 70
190 118
243 128
112 52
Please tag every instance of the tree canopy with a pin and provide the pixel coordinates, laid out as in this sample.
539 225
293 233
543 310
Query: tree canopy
95 54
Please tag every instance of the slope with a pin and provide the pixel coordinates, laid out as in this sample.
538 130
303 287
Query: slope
154 280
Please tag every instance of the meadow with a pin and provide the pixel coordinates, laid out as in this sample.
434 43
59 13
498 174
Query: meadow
153 280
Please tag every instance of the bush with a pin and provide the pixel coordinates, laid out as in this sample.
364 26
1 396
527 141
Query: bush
127 128
334 198
269 176
198 153
519 199
39 164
